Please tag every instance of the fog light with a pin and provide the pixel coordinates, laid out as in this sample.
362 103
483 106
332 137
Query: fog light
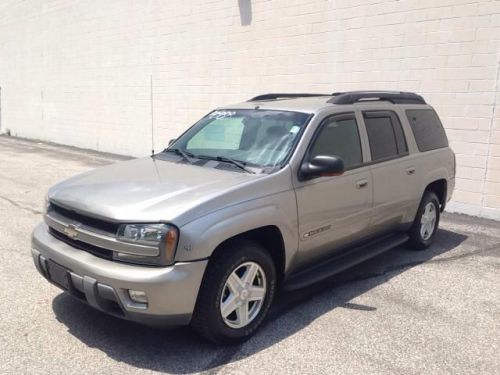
138 296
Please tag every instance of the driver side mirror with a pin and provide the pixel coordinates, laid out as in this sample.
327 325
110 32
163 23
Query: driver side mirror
172 141
321 166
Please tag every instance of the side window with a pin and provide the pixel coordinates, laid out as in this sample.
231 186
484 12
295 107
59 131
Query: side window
427 129
385 135
339 136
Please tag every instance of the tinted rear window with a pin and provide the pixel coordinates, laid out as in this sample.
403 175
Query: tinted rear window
427 129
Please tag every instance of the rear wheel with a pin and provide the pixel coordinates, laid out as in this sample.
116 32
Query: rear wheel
236 293
426 222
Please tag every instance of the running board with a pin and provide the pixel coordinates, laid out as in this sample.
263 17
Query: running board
343 261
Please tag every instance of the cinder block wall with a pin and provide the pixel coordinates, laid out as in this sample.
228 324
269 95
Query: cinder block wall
78 73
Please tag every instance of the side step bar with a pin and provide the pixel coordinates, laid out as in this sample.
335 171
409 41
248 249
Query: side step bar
343 261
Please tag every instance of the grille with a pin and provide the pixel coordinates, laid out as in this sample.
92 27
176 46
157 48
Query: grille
95 250
100 225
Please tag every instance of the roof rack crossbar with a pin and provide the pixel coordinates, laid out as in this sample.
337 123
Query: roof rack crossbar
283 96
395 97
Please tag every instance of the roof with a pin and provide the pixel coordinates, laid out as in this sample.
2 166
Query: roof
303 104
311 103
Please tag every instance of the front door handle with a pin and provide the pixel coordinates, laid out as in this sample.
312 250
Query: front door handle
361 183
410 170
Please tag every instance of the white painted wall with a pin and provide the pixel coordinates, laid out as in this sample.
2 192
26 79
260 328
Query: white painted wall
78 73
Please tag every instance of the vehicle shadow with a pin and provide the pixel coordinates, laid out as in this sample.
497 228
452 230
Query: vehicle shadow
181 351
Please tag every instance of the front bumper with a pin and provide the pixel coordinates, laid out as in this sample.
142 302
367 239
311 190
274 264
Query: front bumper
104 284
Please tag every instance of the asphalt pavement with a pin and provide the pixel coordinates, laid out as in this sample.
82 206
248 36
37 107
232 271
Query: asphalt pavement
430 312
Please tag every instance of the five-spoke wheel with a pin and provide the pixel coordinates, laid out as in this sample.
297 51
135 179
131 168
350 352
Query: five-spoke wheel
243 295
236 292
426 222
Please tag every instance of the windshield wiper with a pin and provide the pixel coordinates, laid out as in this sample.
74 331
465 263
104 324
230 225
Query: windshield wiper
188 155
225 159
185 154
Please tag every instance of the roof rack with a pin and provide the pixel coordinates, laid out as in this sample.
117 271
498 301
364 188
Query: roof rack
395 97
283 96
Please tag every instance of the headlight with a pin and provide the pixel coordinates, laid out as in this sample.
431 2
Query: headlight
163 236
144 234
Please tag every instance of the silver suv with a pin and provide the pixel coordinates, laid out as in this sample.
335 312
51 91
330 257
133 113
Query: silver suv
283 190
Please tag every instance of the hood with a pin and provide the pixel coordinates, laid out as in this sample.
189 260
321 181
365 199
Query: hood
146 190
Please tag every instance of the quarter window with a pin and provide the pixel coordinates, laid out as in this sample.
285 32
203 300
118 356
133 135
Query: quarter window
385 135
427 129
339 136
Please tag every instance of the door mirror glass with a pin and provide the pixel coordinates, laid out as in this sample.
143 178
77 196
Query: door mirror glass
322 166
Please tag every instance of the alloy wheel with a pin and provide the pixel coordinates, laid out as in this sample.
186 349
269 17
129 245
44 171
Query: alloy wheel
243 295
428 221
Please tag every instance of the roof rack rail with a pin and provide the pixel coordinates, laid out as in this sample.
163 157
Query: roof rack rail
283 96
395 97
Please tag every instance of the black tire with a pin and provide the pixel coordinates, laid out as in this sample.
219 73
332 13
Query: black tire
207 318
417 241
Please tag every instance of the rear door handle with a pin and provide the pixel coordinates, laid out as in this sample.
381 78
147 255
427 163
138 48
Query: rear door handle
361 183
410 170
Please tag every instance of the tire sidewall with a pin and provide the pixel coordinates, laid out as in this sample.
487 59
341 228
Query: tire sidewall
428 198
229 263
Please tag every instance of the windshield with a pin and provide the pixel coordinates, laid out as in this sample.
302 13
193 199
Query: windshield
252 136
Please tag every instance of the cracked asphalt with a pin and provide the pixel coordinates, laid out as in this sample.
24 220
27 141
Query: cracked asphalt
432 312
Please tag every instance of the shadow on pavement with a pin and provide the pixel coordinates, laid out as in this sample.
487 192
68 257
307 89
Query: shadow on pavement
181 351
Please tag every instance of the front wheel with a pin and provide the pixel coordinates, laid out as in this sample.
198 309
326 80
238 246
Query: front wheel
236 292
426 222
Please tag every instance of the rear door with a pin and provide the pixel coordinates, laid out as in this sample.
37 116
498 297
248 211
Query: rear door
392 171
333 211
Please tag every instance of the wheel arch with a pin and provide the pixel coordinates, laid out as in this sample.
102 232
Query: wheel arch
440 188
270 238
271 222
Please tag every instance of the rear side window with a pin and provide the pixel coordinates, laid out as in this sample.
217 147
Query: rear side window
385 135
427 129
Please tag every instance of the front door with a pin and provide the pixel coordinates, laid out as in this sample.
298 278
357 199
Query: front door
333 211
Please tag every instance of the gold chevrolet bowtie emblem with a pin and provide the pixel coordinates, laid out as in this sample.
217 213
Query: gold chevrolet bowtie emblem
71 231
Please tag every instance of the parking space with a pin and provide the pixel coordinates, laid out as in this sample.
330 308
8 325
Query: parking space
435 311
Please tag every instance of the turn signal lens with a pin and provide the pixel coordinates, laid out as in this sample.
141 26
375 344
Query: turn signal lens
170 243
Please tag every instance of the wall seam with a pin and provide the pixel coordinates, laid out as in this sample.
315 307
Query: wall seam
490 135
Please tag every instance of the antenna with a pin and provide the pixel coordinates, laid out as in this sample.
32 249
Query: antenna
152 120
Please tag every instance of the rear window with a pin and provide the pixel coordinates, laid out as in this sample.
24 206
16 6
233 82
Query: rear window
427 129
